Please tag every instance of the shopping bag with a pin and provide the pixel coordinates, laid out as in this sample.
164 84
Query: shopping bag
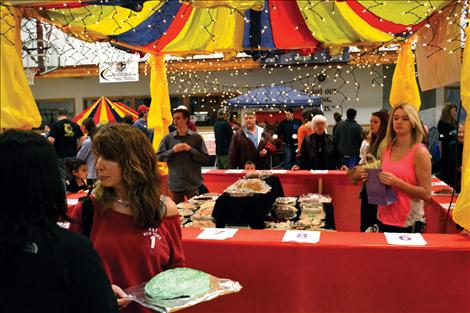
377 192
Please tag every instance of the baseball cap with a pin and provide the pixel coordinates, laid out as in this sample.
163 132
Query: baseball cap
142 108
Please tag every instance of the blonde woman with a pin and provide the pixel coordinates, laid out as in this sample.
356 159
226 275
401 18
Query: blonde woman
406 166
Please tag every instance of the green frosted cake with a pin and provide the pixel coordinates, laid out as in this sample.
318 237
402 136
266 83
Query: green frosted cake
178 283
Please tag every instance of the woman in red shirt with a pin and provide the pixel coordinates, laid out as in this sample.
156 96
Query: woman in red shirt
135 229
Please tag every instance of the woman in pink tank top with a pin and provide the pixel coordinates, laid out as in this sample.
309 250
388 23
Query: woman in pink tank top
406 168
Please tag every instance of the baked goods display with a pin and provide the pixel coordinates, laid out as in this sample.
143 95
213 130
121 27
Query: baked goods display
248 187
178 283
315 197
201 211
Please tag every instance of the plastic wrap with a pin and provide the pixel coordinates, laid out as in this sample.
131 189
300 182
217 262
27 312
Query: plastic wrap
218 287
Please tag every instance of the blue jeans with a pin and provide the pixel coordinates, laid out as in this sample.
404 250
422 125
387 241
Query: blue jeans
350 161
289 156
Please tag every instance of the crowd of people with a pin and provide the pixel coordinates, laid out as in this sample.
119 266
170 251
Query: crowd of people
135 230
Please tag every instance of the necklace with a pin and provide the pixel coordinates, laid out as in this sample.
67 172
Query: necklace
123 203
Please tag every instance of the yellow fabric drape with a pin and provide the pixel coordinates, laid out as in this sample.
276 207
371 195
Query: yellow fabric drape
160 110
18 108
222 31
461 214
241 5
404 85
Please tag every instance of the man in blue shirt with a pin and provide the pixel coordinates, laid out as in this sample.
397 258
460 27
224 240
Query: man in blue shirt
141 123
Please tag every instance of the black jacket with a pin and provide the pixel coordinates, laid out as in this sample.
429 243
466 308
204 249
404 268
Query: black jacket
223 136
318 153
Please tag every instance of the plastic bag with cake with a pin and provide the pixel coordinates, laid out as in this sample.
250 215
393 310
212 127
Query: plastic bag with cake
179 288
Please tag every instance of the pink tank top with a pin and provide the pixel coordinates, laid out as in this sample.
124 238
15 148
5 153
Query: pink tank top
406 210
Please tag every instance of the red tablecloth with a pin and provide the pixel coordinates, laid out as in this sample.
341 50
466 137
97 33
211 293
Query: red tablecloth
344 272
345 196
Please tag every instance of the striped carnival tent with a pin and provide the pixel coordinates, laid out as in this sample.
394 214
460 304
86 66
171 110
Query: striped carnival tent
105 111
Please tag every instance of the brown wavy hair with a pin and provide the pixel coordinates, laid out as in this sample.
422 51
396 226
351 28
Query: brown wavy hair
128 146
446 115
376 139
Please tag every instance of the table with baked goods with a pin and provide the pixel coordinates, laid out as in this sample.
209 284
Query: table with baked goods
344 195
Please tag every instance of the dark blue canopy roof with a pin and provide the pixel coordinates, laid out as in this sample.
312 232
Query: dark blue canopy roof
276 96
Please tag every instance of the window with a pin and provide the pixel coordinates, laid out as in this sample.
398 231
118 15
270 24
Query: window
49 107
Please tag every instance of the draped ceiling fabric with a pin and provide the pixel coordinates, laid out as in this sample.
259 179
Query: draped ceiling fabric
105 111
182 28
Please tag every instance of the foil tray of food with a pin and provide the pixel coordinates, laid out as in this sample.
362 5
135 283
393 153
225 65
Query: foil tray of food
315 197
261 174
248 187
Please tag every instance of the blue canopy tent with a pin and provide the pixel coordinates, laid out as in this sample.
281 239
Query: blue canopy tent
278 96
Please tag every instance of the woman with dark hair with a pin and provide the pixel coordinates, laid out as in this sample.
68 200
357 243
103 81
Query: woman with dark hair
135 229
447 126
378 130
43 268
85 152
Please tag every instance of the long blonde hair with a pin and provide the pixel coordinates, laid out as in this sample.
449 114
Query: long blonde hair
417 130
129 147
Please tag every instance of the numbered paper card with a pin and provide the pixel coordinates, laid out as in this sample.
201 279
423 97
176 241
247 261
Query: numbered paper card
279 171
438 183
405 239
319 171
72 201
302 236
205 170
234 171
217 233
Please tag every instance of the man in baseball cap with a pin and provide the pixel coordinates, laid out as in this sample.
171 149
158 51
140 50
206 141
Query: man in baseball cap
141 122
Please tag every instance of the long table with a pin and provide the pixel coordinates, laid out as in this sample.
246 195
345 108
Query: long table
344 194
344 272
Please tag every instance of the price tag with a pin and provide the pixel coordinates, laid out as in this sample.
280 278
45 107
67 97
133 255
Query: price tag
302 236
217 233
405 239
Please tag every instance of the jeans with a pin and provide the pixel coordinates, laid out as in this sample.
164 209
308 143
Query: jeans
289 156
222 162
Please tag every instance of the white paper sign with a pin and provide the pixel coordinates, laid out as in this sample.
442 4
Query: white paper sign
205 170
438 183
234 171
405 239
319 171
302 236
217 233
72 201
119 72
446 205
279 171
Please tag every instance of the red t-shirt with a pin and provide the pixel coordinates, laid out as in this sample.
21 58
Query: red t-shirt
133 255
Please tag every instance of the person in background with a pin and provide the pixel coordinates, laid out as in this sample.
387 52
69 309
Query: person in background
250 166
44 268
449 167
366 134
348 139
47 130
185 152
287 131
406 166
135 229
378 130
233 122
307 128
77 172
338 119
141 122
249 144
318 149
66 137
223 136
447 126
127 119
85 153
